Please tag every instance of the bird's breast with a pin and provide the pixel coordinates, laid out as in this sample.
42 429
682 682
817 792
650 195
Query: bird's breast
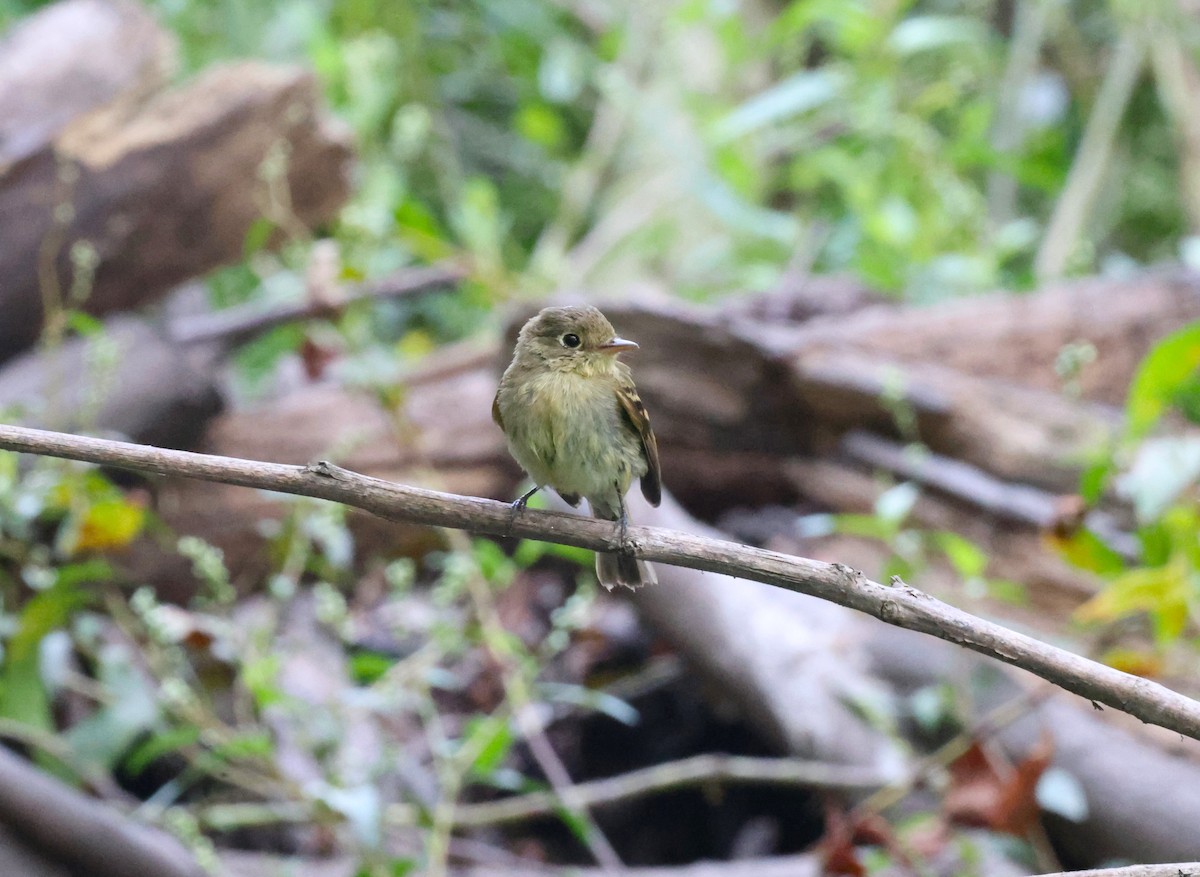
567 432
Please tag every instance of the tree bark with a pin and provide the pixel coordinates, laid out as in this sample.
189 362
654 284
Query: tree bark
130 200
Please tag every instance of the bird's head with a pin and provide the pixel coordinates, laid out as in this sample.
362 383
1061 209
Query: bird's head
572 339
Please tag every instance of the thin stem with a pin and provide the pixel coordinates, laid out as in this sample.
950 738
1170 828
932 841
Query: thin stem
520 699
1029 32
1091 164
699 770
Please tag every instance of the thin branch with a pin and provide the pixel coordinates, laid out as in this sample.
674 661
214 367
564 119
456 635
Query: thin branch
1091 164
1178 83
684 773
1178 869
1030 23
236 325
1018 503
998 718
698 770
898 604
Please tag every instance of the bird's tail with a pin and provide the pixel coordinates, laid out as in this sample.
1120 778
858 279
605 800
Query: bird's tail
620 569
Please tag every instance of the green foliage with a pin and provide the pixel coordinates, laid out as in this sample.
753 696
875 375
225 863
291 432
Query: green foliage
1158 474
700 144
23 696
1169 377
915 548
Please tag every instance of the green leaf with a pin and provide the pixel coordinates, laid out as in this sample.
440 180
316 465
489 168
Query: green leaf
248 744
257 236
491 738
1095 478
158 745
1085 550
542 125
368 667
103 737
1008 591
867 526
1166 372
1162 592
967 558
799 93
494 564
576 822
528 552
84 324
108 524
23 696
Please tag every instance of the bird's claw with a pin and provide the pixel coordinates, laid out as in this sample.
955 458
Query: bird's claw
517 506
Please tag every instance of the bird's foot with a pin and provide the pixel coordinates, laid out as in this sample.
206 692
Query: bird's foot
518 505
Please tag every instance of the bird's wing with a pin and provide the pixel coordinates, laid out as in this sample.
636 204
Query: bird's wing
496 411
635 413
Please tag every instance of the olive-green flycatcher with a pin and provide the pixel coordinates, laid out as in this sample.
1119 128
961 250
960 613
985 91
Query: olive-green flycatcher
573 419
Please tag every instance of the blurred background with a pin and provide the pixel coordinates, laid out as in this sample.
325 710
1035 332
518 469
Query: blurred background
915 284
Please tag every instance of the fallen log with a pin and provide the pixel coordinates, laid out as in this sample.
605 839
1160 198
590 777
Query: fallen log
72 58
728 389
129 380
65 832
127 202
1016 338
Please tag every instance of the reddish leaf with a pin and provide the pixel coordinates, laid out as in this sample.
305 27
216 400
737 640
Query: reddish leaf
873 830
1017 810
836 846
980 797
974 789
843 831
316 358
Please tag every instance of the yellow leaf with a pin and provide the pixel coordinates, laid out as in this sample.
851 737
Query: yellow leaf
1133 661
113 523
416 344
1147 589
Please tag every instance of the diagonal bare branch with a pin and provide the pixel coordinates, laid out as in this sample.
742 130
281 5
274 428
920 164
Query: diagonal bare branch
897 604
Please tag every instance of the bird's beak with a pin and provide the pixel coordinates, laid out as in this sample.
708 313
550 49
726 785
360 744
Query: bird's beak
617 345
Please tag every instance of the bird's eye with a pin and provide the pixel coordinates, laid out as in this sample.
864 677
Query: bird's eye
570 340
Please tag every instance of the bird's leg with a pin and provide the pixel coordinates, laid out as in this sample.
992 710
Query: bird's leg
623 522
519 503
518 506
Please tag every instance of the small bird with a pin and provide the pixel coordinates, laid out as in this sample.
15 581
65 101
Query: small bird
573 420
